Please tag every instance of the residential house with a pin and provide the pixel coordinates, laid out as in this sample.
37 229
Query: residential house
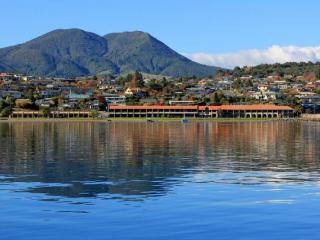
115 99
82 94
263 87
13 94
134 91
48 93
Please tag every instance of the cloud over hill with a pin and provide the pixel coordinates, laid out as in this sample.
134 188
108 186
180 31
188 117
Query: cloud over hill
252 57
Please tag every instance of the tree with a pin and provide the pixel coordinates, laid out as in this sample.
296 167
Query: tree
121 81
139 79
10 101
164 82
29 94
60 100
298 109
214 98
237 84
102 102
6 112
94 113
45 111
3 104
129 77
138 76
153 85
82 104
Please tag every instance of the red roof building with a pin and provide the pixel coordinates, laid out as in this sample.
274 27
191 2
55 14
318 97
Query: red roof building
232 111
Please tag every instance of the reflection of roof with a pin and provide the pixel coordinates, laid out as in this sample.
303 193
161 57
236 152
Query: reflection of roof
222 107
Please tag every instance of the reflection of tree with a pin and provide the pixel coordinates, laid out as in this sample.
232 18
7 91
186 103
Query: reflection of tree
139 158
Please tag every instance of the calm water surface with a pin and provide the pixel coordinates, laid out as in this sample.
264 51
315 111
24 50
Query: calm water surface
162 180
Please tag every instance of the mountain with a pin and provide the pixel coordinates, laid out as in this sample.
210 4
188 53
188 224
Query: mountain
140 51
74 52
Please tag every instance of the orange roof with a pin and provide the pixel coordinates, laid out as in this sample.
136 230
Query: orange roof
136 89
253 107
152 107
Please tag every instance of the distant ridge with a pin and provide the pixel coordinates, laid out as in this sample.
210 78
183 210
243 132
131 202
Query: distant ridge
74 52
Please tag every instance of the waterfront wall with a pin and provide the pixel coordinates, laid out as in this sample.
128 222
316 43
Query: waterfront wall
311 117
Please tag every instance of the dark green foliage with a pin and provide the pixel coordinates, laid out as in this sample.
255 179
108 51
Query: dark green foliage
45 111
290 68
29 94
94 113
139 79
237 84
6 107
6 112
3 104
133 100
154 85
121 81
74 52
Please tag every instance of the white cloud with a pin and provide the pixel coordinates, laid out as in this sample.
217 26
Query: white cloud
274 54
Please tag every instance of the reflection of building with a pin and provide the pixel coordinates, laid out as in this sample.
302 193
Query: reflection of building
140 158
230 111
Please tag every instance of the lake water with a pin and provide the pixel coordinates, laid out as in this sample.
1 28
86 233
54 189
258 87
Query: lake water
161 180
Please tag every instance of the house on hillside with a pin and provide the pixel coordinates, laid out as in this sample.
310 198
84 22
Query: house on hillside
80 94
48 93
134 91
203 83
263 87
13 94
115 99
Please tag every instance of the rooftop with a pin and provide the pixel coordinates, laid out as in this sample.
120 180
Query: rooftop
254 107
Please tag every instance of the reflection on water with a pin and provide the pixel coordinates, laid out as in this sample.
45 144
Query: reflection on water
147 158
228 175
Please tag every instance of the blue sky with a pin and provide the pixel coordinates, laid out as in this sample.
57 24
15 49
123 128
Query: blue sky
187 26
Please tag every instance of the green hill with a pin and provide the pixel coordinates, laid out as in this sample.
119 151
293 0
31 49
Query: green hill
74 52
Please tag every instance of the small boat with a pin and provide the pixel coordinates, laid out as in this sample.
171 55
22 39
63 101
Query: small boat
184 120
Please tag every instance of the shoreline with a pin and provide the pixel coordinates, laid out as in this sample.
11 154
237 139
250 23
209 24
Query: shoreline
150 120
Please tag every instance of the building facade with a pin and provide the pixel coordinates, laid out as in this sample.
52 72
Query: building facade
223 111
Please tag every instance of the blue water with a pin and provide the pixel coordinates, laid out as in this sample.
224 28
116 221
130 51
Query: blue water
161 180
